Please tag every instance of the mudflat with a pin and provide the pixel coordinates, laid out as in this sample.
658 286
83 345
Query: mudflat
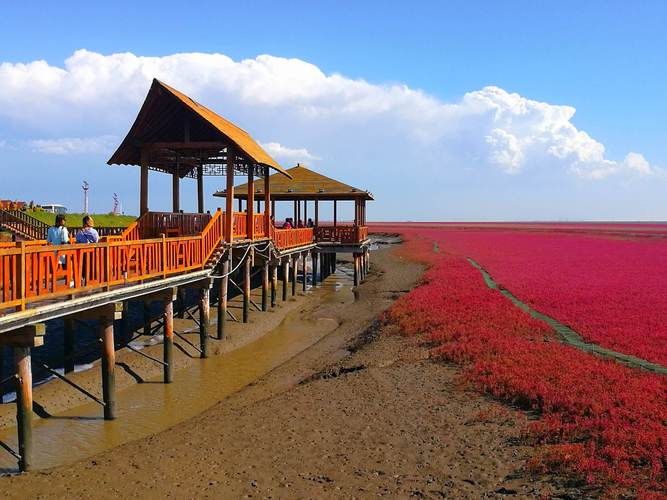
362 412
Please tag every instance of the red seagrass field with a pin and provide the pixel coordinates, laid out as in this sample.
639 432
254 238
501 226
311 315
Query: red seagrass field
597 419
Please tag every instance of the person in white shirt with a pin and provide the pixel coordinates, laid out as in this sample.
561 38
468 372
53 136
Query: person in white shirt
58 235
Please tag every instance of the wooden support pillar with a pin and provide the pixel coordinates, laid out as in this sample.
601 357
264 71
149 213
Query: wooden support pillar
200 189
313 262
68 341
229 196
265 286
333 262
108 366
125 326
168 340
240 205
295 214
295 270
24 406
143 191
251 203
180 313
246 289
317 212
305 212
304 286
273 208
175 188
335 213
356 269
147 317
222 299
362 256
274 284
267 204
323 259
356 212
286 275
204 319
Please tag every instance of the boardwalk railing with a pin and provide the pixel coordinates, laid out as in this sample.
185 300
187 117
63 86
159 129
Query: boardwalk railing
23 224
290 238
341 234
33 271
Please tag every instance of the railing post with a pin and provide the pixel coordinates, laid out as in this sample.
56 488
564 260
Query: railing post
164 255
21 271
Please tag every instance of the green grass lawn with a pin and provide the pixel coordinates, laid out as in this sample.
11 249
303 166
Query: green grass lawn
74 220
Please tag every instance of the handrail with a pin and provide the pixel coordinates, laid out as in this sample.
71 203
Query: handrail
18 221
212 235
290 238
349 234
34 271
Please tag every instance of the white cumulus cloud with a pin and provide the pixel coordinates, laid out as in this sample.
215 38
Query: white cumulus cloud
289 155
353 122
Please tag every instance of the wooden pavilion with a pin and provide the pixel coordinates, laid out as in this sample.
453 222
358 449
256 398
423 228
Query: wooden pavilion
176 135
304 185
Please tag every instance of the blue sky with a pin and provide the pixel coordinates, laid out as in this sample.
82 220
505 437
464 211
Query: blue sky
605 59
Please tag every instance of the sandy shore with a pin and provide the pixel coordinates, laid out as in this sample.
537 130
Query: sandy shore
360 413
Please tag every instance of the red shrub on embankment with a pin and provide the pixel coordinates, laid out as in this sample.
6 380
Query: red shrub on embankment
600 420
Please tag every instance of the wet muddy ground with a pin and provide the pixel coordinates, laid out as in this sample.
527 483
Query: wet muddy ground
359 413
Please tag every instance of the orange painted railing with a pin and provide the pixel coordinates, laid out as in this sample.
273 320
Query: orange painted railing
341 234
30 273
259 226
290 238
240 225
34 271
212 235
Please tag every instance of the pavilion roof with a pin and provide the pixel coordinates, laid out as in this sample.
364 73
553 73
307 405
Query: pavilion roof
304 184
166 117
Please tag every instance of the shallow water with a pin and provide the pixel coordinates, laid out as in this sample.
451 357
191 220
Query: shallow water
150 407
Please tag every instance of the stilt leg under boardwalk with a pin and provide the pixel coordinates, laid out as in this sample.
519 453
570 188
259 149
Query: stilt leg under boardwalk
147 318
168 341
204 314
246 290
222 301
304 286
274 284
286 275
265 286
314 262
294 274
24 406
356 269
108 367
68 347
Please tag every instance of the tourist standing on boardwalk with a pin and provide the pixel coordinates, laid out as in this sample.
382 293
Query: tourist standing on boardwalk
88 234
58 235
